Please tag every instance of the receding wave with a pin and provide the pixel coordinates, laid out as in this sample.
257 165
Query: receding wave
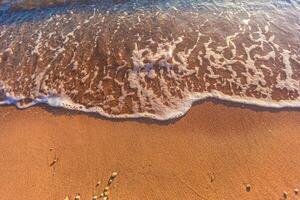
125 59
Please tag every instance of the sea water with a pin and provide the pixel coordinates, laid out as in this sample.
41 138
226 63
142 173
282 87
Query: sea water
149 58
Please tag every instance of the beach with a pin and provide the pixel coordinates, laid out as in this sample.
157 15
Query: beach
149 100
214 152
150 59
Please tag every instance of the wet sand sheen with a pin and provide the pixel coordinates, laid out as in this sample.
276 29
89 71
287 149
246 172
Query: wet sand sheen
211 153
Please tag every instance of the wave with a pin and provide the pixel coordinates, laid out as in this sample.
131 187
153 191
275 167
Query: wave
152 60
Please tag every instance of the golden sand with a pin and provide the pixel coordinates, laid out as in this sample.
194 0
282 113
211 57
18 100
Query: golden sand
214 152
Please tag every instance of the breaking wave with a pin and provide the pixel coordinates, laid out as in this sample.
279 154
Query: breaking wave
125 59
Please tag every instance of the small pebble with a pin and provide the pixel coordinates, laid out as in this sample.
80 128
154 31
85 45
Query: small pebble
248 187
114 174
106 188
98 184
77 197
296 190
285 195
94 198
106 193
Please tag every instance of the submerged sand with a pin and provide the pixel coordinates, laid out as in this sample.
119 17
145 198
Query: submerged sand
151 59
211 153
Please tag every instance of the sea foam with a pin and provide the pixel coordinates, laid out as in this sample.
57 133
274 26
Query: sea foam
153 60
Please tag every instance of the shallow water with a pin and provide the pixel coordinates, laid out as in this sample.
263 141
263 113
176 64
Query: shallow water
149 58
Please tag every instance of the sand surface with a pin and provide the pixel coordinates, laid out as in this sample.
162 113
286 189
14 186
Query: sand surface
211 153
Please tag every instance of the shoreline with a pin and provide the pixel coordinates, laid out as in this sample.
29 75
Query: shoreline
144 119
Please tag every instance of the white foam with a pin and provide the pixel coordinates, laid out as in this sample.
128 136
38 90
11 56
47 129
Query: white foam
167 112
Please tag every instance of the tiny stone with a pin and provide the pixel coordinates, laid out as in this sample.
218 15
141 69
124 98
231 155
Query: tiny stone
77 197
296 190
94 198
248 187
285 195
98 183
106 188
114 174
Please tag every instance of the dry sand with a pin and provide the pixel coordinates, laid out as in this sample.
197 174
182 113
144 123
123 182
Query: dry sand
211 153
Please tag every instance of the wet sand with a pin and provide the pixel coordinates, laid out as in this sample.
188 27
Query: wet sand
211 153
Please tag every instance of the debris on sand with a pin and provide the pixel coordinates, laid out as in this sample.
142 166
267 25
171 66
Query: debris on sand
98 184
285 195
248 187
53 162
212 177
114 174
77 197
112 178
105 193
106 189
296 191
